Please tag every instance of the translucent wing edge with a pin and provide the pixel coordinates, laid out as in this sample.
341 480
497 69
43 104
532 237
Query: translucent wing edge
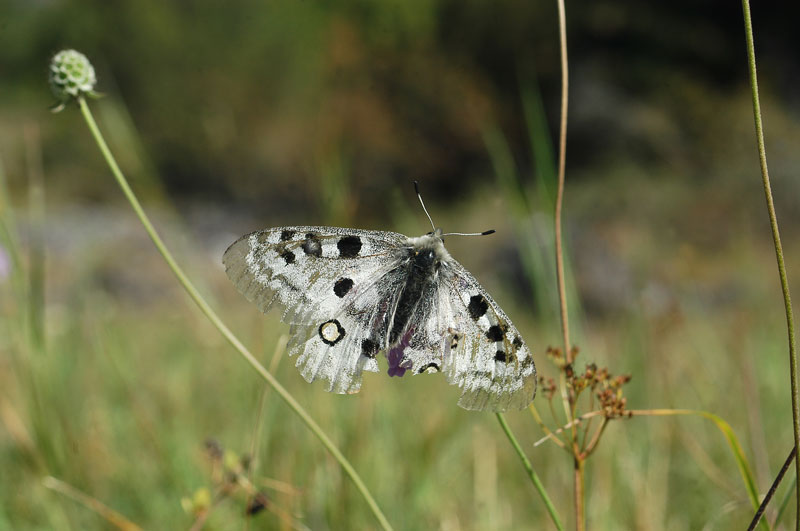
241 272
488 384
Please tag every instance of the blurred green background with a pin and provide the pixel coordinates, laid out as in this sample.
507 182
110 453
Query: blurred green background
230 117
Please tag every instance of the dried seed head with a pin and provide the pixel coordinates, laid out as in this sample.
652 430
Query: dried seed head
548 387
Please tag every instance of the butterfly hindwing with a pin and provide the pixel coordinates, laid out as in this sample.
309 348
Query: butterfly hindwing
485 354
339 355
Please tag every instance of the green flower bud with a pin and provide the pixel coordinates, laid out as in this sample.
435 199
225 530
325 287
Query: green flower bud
71 76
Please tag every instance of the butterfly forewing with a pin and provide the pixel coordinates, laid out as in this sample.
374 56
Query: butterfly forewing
291 265
336 287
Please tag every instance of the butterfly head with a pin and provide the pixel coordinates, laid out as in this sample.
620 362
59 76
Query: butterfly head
428 251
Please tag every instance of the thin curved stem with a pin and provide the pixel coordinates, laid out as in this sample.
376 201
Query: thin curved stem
544 427
589 448
562 290
562 158
224 330
552 435
776 237
537 483
562 154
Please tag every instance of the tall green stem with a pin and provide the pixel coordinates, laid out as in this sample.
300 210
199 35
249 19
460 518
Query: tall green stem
224 330
776 237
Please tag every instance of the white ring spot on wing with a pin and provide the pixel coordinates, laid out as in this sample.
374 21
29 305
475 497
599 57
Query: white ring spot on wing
330 332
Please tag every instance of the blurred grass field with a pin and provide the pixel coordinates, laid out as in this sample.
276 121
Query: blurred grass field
112 381
133 380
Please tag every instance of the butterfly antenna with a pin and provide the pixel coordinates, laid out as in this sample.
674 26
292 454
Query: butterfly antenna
416 189
484 233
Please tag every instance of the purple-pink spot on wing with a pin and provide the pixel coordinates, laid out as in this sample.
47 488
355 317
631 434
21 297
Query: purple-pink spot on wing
398 364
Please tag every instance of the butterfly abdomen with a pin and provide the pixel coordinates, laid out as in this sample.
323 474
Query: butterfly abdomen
422 266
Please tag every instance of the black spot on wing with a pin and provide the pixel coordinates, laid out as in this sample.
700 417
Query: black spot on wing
286 235
477 307
288 256
495 333
312 246
369 348
431 365
342 286
517 343
349 246
500 356
454 341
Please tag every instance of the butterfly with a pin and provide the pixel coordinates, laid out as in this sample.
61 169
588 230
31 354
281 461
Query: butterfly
349 294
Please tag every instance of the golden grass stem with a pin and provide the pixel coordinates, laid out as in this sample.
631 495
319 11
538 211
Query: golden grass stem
223 329
544 427
537 483
109 514
562 290
552 435
562 158
776 237
590 447
580 510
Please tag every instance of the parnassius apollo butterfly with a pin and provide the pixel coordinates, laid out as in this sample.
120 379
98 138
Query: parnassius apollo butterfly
349 294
